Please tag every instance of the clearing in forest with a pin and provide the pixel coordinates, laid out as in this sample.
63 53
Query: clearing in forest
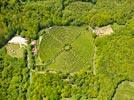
66 49
102 31
125 91
14 50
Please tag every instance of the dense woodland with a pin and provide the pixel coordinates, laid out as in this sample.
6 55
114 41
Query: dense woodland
114 56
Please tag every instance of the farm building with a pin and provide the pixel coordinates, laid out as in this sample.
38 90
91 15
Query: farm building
18 40
107 30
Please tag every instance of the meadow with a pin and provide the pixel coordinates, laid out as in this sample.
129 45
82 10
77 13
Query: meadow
15 51
125 91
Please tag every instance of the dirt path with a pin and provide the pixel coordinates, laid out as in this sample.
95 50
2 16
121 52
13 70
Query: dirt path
94 61
40 39
43 72
29 63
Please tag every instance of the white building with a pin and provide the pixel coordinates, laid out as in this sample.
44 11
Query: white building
18 40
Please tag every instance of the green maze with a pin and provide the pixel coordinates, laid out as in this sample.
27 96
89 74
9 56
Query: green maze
66 49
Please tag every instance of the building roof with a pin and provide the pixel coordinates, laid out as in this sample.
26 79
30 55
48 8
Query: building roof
18 40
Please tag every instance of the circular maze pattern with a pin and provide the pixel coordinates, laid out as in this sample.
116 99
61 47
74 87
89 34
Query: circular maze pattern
66 49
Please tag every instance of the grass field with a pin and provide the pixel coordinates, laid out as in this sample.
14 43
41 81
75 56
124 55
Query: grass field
14 50
125 91
66 49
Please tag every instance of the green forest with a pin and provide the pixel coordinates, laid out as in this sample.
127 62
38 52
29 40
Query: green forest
66 50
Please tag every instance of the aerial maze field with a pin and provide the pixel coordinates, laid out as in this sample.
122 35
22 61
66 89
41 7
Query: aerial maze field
66 57
66 49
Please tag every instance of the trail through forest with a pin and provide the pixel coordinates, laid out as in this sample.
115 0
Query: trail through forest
94 61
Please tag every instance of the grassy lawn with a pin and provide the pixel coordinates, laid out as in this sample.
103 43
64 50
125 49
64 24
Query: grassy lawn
14 50
125 91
